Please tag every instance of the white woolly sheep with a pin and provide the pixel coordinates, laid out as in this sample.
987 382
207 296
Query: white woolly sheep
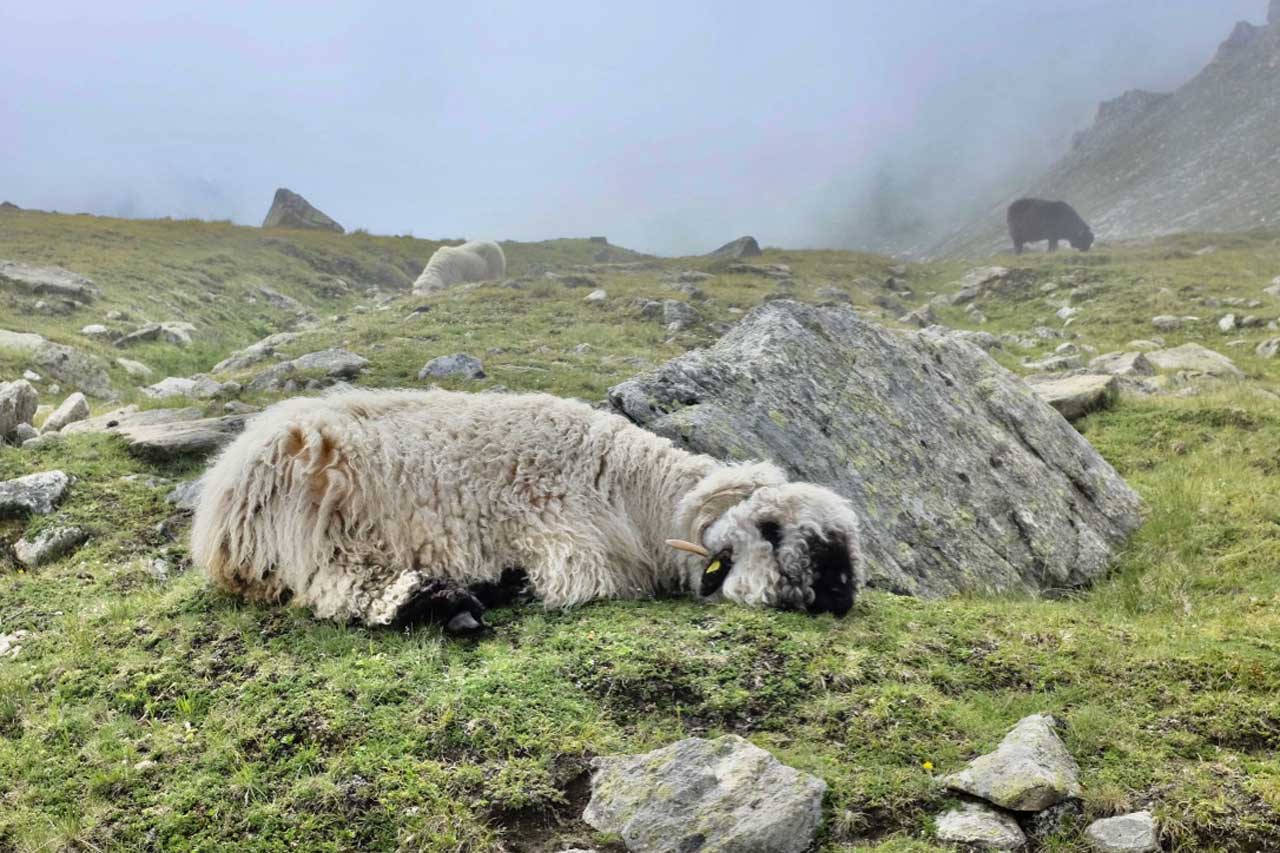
390 506
476 260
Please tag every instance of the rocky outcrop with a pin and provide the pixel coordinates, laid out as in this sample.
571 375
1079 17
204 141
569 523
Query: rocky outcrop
743 247
722 794
55 282
66 364
256 353
964 480
290 210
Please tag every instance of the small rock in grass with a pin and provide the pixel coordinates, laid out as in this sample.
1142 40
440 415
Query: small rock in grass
1029 771
50 545
456 366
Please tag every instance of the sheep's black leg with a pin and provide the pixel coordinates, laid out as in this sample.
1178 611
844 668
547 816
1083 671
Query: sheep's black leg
512 586
446 602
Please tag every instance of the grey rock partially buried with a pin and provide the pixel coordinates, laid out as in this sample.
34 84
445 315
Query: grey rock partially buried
1029 771
50 545
963 479
705 795
980 826
1130 833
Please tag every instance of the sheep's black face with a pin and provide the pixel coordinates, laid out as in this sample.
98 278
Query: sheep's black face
793 547
1083 241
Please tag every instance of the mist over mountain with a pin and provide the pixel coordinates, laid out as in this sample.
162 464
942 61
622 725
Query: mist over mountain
668 128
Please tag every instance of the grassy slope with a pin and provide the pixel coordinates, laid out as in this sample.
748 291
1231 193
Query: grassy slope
150 715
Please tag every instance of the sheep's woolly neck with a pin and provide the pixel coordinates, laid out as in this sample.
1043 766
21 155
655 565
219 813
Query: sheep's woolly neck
350 503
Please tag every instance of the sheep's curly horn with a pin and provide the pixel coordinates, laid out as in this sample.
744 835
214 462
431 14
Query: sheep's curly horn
681 545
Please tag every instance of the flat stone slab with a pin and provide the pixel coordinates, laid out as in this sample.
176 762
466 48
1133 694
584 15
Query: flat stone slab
1130 833
169 441
1076 396
130 417
1195 358
34 494
1029 771
980 826
963 479
705 795
48 281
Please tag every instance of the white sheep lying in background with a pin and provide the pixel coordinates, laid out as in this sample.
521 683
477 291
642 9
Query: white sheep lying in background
476 260
387 506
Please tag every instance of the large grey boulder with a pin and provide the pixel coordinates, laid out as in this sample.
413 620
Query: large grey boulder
65 364
1197 359
743 247
48 281
290 210
34 494
1029 771
1130 833
130 417
50 545
964 480
18 402
74 408
976 825
708 795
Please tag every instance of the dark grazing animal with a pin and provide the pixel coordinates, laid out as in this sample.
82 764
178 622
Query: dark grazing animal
1034 219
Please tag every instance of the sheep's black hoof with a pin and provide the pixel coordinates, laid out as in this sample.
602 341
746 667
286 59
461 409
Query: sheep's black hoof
445 603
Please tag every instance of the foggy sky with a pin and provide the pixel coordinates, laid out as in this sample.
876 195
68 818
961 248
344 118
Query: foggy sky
667 128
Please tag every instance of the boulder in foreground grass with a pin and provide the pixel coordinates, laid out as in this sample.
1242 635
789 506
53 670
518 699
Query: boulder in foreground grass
34 494
1197 359
50 545
964 479
696 794
1029 771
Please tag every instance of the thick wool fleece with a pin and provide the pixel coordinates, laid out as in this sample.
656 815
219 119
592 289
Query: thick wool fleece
352 503
477 260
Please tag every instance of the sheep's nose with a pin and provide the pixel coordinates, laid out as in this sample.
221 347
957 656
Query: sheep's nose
832 593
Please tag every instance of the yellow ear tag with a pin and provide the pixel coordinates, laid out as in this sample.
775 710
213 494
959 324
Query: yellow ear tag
712 567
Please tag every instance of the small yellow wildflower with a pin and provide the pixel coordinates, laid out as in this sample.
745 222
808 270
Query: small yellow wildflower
928 765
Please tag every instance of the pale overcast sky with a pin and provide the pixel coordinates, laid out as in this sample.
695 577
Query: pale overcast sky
667 126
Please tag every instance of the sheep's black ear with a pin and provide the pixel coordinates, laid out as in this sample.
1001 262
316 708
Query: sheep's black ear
772 532
832 575
714 573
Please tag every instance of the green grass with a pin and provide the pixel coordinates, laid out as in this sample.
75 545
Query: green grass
160 715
